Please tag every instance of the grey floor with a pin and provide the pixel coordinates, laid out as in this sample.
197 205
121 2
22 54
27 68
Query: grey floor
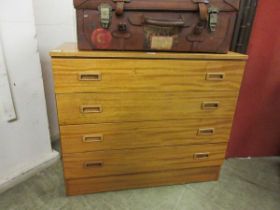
244 185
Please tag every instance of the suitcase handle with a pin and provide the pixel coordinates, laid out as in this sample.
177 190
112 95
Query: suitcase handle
157 22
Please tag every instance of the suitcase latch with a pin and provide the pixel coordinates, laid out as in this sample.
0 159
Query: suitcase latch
105 11
213 18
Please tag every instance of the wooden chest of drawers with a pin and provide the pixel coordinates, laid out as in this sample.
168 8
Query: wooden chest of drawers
133 119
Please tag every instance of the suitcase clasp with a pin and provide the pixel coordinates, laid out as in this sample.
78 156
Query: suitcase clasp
105 11
213 18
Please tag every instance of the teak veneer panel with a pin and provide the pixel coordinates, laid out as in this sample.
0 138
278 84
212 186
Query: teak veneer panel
120 162
70 50
111 183
131 75
131 119
142 134
129 107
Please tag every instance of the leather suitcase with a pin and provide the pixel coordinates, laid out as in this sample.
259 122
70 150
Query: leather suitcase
156 25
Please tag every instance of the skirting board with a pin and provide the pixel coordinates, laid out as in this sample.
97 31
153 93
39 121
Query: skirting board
28 171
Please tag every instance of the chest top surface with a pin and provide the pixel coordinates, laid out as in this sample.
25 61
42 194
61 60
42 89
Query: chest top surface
70 50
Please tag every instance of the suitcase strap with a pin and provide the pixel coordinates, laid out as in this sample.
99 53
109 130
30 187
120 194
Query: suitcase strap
203 11
208 17
120 6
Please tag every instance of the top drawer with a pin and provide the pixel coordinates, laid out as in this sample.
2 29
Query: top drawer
130 75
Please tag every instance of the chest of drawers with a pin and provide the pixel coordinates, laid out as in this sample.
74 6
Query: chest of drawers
135 119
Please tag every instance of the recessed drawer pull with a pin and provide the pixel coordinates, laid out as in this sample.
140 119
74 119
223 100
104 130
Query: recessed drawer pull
215 76
91 109
92 138
201 156
90 76
210 105
93 164
206 131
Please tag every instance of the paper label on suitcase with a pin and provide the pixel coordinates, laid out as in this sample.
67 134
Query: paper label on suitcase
161 42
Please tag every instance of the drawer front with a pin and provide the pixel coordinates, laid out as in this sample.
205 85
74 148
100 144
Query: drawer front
128 75
130 107
109 183
106 136
120 162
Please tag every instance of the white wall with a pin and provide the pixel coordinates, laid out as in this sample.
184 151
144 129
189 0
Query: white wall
25 142
55 24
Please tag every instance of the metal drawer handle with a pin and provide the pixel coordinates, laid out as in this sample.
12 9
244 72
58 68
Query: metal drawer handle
92 138
201 156
211 105
93 164
91 109
206 131
215 76
90 76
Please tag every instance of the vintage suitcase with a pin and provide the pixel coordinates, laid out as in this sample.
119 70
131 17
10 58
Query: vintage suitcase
156 25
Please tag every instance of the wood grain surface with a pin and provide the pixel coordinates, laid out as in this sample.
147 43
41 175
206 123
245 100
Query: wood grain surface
131 75
130 107
110 183
70 50
137 119
107 136
131 161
